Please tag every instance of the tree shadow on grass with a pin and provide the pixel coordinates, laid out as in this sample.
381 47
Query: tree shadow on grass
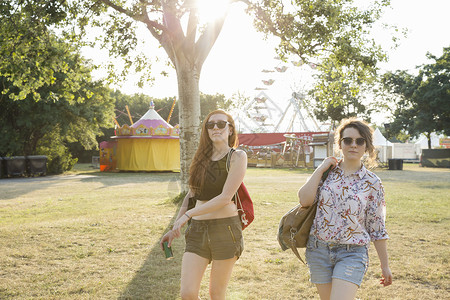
158 278
115 179
15 187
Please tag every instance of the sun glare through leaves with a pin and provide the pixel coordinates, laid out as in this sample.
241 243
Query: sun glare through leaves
211 10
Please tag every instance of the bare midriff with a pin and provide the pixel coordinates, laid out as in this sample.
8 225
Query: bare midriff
227 211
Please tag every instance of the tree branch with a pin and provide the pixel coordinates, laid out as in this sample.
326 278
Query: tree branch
208 38
119 8
140 18
173 38
191 28
151 25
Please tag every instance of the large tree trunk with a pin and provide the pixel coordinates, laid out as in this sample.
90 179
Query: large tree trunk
188 77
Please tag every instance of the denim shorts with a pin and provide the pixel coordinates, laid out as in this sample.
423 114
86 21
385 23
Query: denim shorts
215 239
328 260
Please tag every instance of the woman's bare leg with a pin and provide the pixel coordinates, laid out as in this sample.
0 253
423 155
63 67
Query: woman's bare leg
324 290
220 276
193 267
343 290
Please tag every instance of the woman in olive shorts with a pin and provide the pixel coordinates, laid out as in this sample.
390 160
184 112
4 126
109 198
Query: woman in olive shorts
215 232
351 213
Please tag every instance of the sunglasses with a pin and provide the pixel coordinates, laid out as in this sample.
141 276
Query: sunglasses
220 124
348 141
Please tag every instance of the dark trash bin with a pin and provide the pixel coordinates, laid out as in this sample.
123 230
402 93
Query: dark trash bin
1 167
395 164
14 166
399 164
36 165
391 164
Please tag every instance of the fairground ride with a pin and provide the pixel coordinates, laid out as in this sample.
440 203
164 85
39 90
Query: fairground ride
282 112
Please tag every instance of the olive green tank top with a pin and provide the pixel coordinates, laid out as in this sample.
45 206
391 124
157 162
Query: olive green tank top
216 175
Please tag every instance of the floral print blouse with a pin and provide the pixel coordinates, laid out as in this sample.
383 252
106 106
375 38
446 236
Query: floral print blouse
351 209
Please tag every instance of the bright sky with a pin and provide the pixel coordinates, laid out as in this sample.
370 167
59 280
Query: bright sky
240 53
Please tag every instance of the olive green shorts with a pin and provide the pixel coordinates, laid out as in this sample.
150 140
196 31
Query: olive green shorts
215 239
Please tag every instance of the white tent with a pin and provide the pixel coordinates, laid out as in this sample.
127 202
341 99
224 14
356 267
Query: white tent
383 146
422 142
379 139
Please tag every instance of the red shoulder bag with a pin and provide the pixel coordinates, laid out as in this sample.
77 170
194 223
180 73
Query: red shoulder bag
243 201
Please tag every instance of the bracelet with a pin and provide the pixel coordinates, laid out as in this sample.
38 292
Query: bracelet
187 215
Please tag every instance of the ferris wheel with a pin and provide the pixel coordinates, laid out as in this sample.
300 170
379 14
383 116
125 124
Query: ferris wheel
281 114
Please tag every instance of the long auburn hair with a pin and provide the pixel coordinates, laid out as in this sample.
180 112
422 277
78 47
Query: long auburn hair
365 131
202 157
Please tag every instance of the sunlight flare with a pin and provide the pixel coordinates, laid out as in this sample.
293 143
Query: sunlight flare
211 10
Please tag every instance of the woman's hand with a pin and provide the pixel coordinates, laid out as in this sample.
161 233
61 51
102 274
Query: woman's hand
168 237
307 193
176 229
386 276
381 247
328 162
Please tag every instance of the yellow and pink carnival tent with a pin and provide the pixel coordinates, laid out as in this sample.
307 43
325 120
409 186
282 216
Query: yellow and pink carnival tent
150 144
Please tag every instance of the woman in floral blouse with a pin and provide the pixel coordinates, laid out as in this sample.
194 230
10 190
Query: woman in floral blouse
351 212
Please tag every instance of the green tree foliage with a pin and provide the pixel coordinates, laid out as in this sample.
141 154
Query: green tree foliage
67 112
337 95
138 105
28 62
422 102
209 103
332 36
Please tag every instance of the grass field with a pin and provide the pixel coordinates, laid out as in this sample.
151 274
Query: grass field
91 235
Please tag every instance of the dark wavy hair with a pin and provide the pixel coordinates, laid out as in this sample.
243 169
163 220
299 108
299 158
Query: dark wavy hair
202 157
365 131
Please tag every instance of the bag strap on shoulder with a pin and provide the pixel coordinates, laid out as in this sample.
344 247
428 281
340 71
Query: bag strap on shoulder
292 245
229 159
236 195
325 174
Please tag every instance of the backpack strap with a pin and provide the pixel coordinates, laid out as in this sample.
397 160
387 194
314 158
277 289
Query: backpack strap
228 169
229 159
